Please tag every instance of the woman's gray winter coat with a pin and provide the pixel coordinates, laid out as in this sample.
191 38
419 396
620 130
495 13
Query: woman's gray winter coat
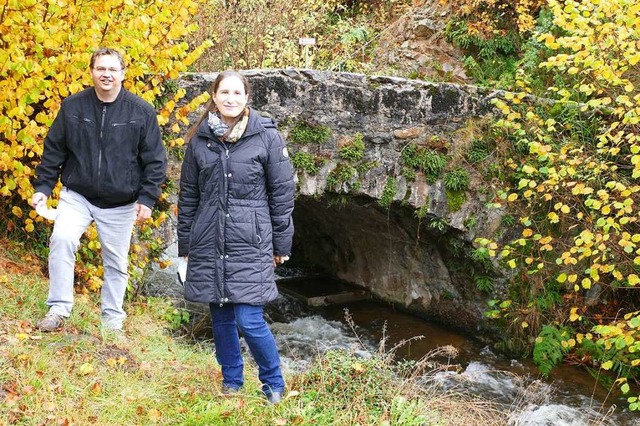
234 213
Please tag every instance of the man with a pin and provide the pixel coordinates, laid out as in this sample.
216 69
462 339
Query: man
106 148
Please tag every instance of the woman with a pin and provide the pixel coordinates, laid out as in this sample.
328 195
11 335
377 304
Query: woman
234 224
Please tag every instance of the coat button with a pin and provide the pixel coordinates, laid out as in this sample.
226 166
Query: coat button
221 257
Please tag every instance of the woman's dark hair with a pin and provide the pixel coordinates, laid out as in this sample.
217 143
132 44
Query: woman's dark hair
211 106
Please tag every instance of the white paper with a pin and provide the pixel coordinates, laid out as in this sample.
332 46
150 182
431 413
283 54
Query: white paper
46 212
182 270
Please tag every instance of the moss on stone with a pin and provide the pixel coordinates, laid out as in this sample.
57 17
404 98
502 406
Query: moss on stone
353 150
342 173
455 199
306 162
457 180
304 133
429 161
388 192
421 212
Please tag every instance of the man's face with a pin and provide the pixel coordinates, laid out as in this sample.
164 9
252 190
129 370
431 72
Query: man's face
107 74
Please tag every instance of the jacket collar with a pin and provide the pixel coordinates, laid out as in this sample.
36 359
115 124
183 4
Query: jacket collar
118 98
253 126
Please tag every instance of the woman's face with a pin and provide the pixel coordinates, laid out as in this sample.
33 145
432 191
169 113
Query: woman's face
230 98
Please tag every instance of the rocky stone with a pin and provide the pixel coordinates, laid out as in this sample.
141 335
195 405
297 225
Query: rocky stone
418 38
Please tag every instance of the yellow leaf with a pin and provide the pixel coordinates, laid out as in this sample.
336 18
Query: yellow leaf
17 211
86 369
574 316
357 367
607 365
96 389
154 414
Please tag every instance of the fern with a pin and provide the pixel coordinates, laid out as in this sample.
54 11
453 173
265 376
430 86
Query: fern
548 350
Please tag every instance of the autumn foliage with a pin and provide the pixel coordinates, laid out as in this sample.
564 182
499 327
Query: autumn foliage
575 165
45 48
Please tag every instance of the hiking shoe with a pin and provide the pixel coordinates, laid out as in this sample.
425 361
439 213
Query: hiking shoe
274 398
226 390
50 322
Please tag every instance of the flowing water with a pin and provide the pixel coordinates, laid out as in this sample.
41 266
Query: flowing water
569 397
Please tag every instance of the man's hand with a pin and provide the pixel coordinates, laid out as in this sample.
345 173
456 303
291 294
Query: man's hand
38 198
142 212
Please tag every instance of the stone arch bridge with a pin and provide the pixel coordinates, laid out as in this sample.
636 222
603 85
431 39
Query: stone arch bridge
371 217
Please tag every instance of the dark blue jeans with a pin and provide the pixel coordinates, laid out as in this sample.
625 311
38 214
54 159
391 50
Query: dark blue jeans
249 320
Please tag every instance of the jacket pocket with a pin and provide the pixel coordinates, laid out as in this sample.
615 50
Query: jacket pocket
84 130
129 132
258 235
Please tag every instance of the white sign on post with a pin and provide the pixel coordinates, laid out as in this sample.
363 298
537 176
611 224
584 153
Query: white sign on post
306 42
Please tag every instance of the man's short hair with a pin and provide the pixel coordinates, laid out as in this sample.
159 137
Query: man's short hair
106 51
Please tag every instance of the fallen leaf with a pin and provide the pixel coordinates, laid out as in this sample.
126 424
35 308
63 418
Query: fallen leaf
96 388
154 414
49 406
28 390
86 369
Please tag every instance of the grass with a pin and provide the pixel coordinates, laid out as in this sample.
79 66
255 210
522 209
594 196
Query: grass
79 376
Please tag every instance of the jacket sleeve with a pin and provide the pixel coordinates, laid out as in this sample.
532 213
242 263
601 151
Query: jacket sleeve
54 155
280 191
188 199
153 160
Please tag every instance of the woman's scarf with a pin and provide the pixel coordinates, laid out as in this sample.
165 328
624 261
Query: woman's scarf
221 130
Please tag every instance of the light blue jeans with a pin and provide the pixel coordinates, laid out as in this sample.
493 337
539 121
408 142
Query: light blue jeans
249 319
114 227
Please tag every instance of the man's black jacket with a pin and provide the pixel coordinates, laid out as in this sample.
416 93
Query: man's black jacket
111 153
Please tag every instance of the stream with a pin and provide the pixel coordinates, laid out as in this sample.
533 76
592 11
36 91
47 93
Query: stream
569 397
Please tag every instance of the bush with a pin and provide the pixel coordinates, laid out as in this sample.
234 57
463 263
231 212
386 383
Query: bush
45 56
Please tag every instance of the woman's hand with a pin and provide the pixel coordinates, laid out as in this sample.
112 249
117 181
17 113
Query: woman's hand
279 260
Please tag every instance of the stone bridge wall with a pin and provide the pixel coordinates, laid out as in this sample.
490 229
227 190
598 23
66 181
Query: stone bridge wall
386 249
